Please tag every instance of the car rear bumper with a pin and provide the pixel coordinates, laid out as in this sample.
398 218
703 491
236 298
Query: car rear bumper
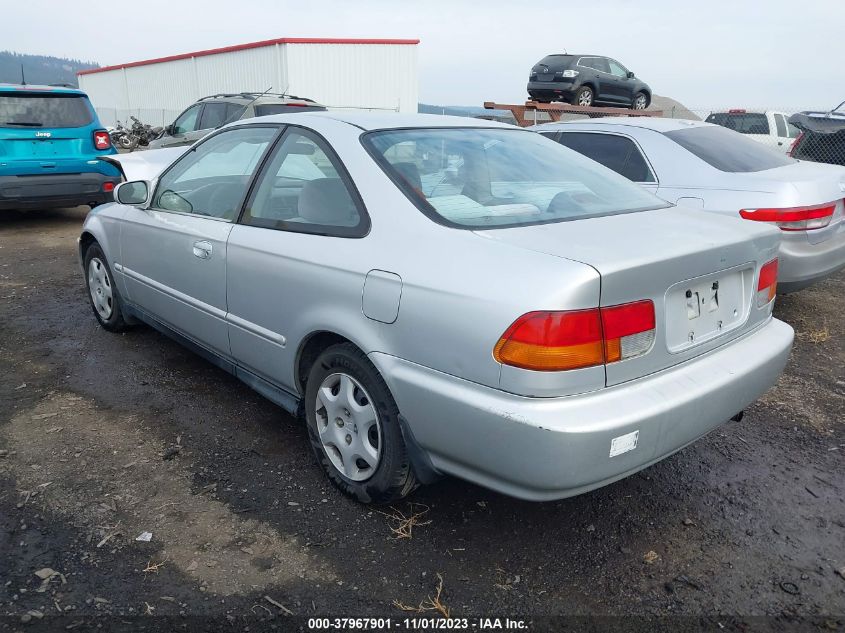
54 190
802 264
553 90
550 448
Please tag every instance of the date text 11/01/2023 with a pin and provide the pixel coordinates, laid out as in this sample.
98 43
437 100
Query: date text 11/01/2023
417 624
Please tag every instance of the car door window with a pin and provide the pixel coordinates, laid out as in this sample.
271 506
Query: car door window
304 188
588 62
212 179
213 116
187 121
780 124
618 153
617 69
234 111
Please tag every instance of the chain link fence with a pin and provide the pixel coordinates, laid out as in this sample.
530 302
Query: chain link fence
769 126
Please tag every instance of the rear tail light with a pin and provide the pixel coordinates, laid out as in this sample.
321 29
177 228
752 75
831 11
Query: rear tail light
794 218
567 73
794 145
768 283
101 140
563 340
108 187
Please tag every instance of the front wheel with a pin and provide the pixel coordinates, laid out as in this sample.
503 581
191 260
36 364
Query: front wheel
102 291
584 97
640 101
354 429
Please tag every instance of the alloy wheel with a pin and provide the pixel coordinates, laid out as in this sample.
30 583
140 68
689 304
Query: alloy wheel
585 98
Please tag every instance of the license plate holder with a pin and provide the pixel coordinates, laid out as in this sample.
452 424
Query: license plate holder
704 308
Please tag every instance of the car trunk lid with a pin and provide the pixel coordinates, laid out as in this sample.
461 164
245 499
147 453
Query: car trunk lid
698 269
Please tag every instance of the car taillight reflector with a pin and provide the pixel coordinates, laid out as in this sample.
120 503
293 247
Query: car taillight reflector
794 218
102 140
628 330
768 283
563 340
108 187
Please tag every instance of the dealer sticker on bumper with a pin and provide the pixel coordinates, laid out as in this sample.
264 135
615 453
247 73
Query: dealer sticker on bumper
623 443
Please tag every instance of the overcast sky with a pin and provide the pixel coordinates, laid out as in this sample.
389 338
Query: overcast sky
778 53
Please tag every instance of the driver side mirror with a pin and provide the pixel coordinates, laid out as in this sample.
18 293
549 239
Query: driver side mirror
630 75
132 193
170 129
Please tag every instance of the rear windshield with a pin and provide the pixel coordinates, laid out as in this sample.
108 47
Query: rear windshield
479 178
728 151
281 108
555 61
744 122
44 110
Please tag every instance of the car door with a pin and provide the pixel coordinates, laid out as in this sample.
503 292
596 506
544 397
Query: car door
173 253
294 248
184 125
623 86
784 142
618 152
608 88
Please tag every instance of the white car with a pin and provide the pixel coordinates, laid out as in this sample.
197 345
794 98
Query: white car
704 166
767 126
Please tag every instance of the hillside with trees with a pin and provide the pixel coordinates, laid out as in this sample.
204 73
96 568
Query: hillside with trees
40 69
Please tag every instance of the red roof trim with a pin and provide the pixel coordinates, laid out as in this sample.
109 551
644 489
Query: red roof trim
243 47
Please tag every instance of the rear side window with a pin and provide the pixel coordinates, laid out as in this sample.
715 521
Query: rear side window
727 151
304 189
616 152
742 122
281 108
44 110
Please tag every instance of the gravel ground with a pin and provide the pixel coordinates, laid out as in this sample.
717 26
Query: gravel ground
103 437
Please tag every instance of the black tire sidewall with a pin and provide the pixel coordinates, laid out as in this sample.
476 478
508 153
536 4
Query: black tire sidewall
577 98
115 322
393 478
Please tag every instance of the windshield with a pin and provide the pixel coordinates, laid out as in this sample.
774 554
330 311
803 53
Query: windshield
43 110
487 178
728 151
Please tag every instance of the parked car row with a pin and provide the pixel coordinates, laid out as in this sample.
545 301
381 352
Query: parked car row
445 296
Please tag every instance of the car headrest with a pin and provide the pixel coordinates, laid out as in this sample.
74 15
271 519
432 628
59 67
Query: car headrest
411 173
326 201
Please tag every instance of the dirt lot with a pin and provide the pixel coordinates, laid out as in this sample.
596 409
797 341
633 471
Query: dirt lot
103 437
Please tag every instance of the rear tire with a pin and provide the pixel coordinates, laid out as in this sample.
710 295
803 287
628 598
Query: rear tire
102 291
584 97
354 429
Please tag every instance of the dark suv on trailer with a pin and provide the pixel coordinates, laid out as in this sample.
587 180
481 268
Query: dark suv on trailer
51 142
587 80
210 113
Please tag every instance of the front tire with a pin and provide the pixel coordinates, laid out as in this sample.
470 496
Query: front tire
584 97
102 291
354 429
640 101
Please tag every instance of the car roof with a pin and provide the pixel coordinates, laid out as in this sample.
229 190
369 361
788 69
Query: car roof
658 124
39 88
388 120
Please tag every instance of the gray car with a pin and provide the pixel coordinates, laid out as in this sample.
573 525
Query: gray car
709 167
443 295
212 112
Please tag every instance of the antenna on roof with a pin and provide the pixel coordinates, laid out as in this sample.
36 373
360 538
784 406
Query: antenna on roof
23 79
836 108
256 97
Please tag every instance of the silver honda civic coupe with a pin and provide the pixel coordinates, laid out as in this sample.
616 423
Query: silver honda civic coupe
709 167
442 295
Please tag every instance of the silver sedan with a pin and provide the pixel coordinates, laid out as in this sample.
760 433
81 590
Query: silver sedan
706 166
445 296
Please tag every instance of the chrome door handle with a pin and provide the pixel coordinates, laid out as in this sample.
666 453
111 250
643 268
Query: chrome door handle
202 249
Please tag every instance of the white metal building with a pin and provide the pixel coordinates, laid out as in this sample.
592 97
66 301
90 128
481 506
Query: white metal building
339 73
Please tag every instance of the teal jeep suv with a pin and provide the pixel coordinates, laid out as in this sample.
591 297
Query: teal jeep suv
51 142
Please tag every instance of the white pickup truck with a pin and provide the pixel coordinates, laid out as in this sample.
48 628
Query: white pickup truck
767 127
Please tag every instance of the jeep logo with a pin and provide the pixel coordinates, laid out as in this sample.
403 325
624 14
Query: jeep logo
43 134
